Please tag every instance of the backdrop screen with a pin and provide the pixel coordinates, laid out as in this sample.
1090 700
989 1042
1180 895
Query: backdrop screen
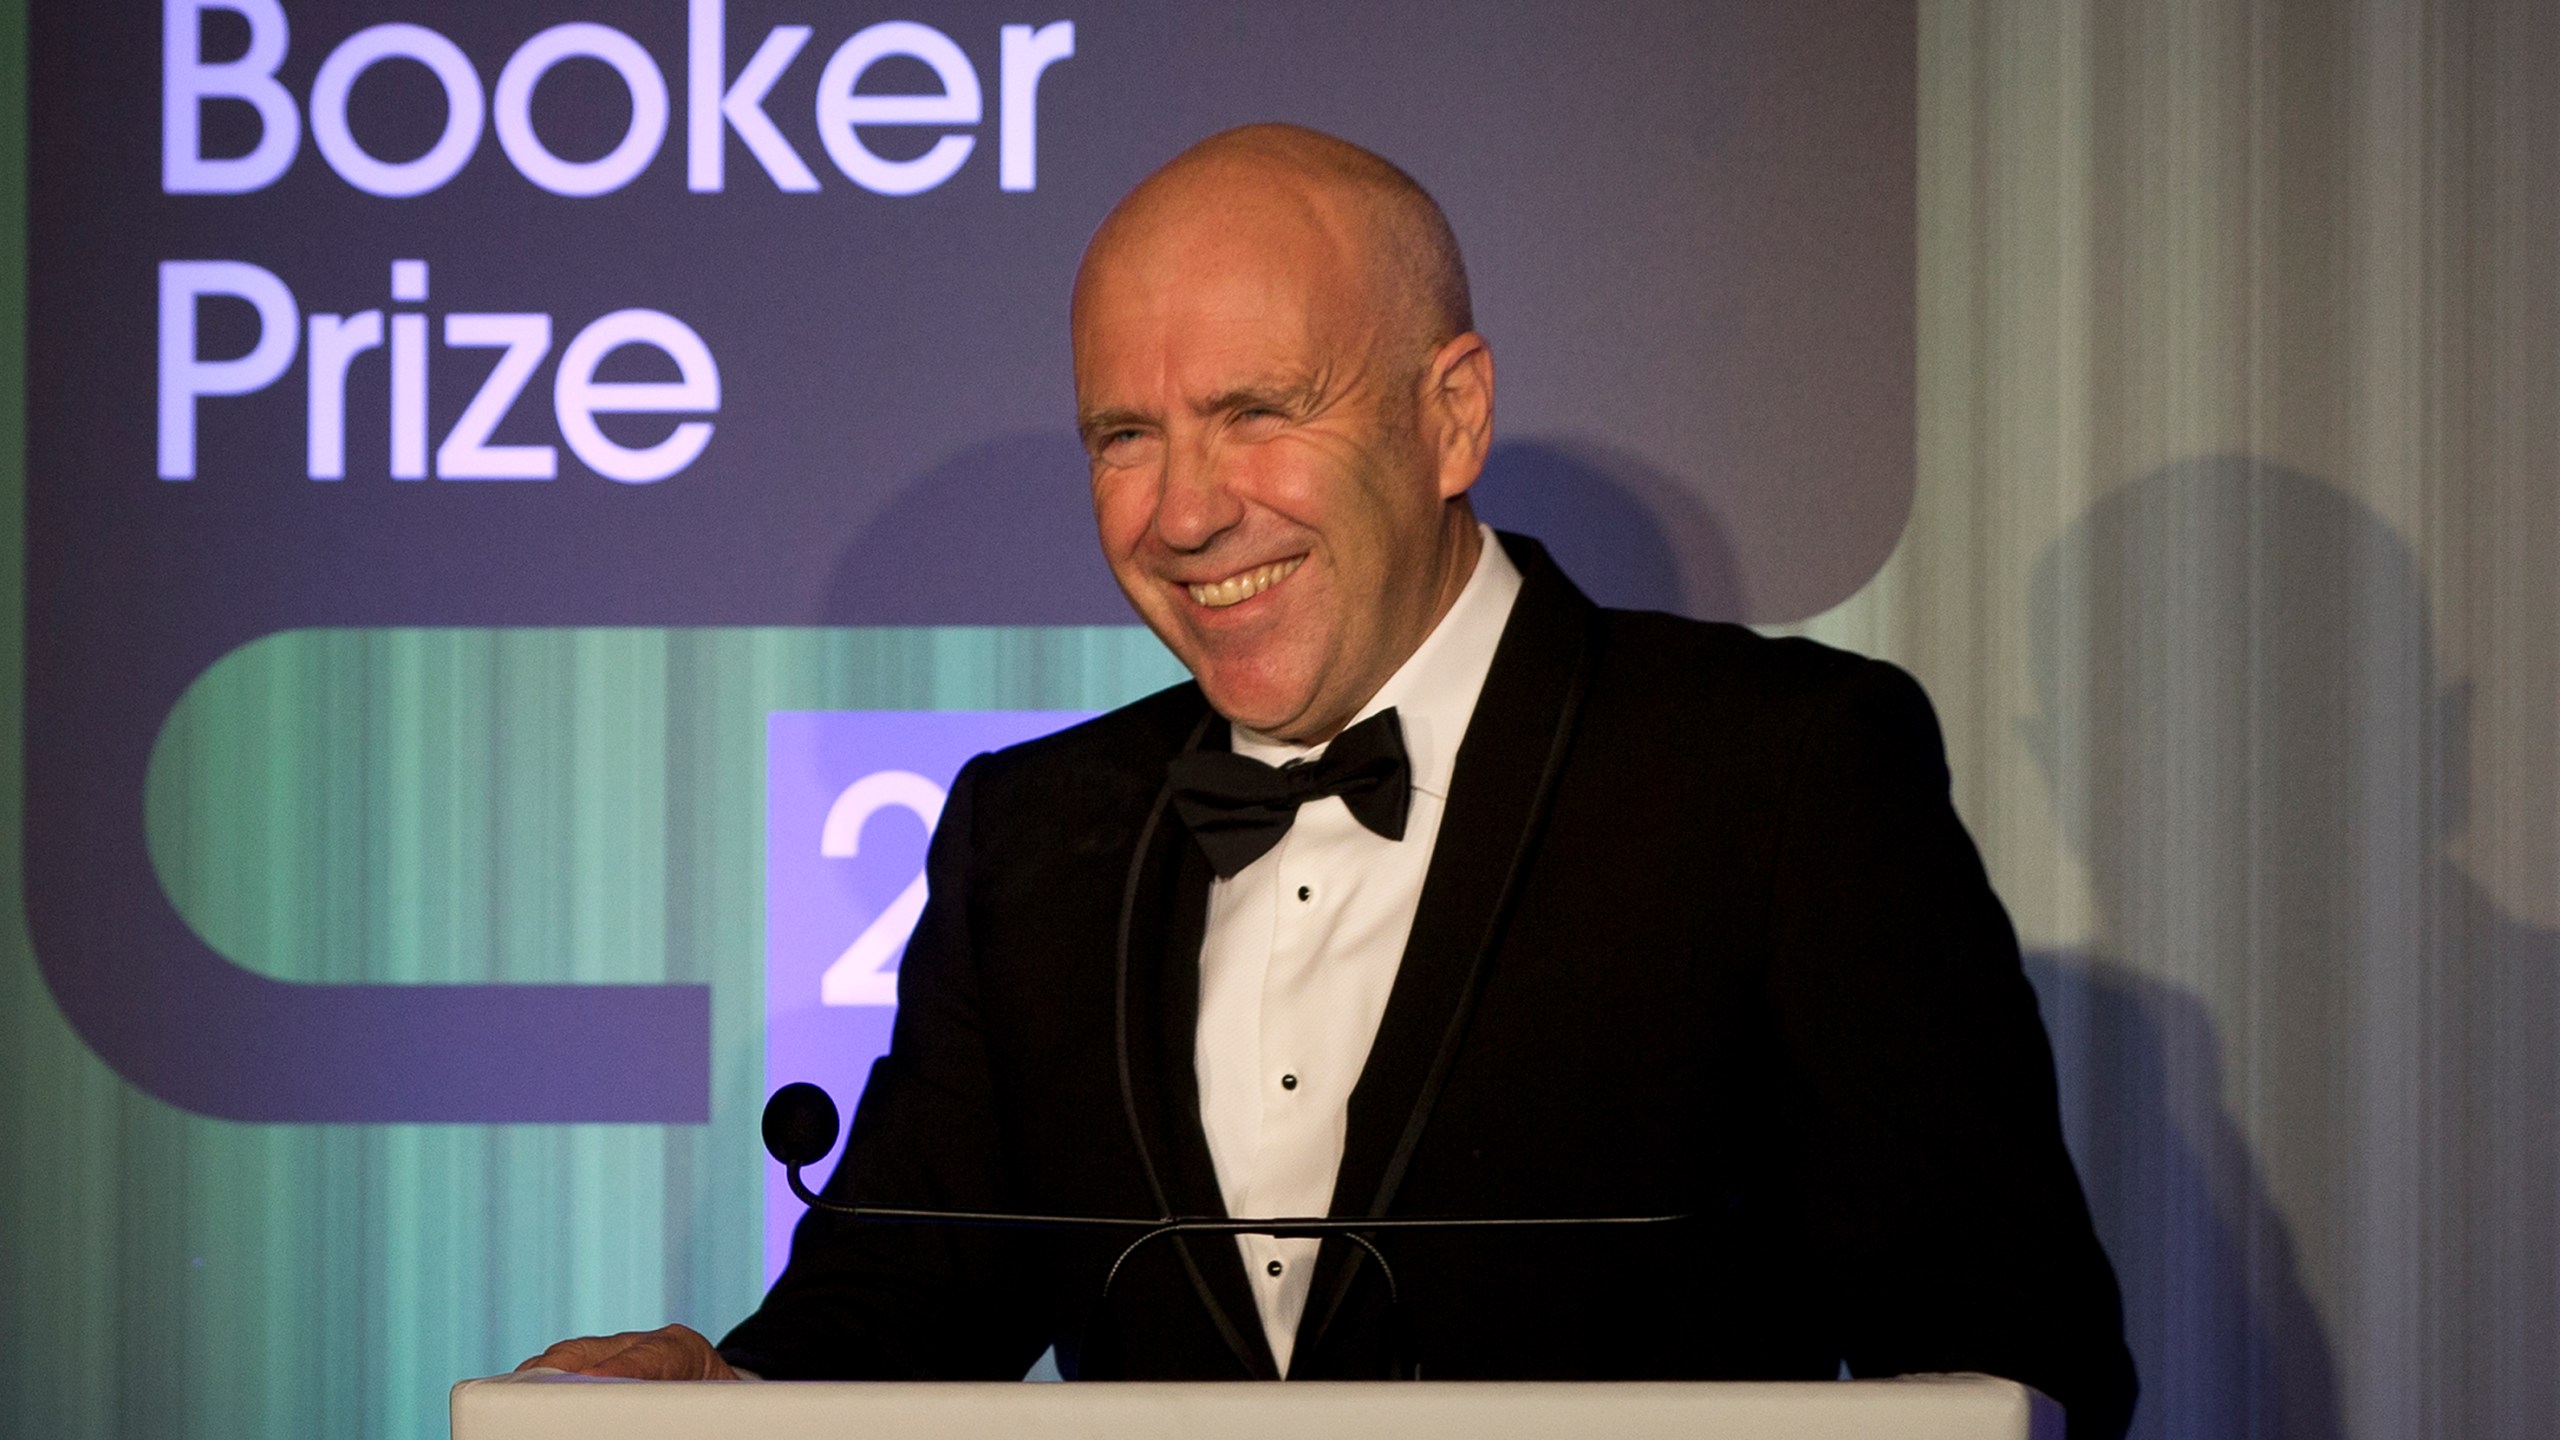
527 506
740 314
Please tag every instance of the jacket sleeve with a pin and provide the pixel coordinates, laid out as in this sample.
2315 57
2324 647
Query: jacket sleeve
867 1300
1927 1132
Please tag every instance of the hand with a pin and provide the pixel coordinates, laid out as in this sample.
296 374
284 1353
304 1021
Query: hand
671 1353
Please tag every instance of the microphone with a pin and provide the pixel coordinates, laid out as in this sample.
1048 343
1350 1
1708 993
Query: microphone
801 1126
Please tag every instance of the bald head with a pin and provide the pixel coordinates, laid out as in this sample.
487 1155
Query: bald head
1265 182
1284 402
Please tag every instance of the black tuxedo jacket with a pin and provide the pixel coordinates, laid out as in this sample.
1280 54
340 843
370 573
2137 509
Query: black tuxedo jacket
1702 935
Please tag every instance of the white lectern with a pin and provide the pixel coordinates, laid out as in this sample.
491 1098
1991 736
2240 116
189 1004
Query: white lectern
549 1406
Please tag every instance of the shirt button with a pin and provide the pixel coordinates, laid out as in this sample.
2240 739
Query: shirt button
1288 1082
1304 892
1275 1267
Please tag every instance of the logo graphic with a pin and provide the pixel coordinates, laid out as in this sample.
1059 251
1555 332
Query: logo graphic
752 313
850 798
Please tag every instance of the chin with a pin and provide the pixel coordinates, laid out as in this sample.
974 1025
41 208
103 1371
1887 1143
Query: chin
1252 702
1264 682
1263 717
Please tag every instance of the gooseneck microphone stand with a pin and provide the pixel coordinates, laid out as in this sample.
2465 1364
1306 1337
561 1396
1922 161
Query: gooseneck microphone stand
801 1126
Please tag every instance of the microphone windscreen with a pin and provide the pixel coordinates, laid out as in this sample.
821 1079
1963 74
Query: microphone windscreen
799 1124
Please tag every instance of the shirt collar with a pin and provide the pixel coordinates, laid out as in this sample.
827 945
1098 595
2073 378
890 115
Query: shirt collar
1434 692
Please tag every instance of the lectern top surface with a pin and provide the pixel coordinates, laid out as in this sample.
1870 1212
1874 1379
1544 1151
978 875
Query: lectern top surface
549 1406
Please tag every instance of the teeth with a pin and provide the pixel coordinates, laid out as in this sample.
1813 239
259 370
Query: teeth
1236 589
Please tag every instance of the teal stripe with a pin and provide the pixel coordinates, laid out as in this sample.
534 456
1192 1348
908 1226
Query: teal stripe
441 806
432 806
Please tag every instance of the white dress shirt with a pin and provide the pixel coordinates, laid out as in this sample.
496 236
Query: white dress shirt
1302 948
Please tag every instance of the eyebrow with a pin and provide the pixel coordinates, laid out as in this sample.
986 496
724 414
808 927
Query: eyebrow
1100 422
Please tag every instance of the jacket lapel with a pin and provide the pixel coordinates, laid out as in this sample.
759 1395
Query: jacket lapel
1167 914
1506 770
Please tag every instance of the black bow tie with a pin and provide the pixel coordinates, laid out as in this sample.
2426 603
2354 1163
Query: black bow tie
1238 808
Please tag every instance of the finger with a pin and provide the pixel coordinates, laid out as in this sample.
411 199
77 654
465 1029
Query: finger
674 1353
577 1354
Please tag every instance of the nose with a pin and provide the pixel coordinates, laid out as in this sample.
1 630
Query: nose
1196 505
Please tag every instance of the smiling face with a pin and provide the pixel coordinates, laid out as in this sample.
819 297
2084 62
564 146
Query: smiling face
1279 444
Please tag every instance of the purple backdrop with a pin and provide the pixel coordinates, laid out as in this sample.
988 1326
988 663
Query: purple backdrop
347 267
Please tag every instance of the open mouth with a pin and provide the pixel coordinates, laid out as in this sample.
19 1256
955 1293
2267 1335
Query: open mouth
1238 588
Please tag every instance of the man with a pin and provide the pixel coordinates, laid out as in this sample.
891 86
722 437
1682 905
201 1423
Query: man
1558 912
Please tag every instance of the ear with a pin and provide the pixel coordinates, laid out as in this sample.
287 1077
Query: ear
1457 406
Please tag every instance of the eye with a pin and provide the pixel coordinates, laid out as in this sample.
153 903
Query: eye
1259 419
1117 446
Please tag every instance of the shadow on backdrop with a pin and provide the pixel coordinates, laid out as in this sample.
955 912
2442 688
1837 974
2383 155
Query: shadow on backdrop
2225 1340
1002 534
2323 1154
1628 534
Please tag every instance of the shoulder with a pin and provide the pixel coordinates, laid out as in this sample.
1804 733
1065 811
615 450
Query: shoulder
1731 678
1144 732
1669 671
1082 778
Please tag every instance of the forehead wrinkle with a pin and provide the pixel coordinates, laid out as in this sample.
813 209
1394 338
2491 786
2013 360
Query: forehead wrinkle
1298 390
